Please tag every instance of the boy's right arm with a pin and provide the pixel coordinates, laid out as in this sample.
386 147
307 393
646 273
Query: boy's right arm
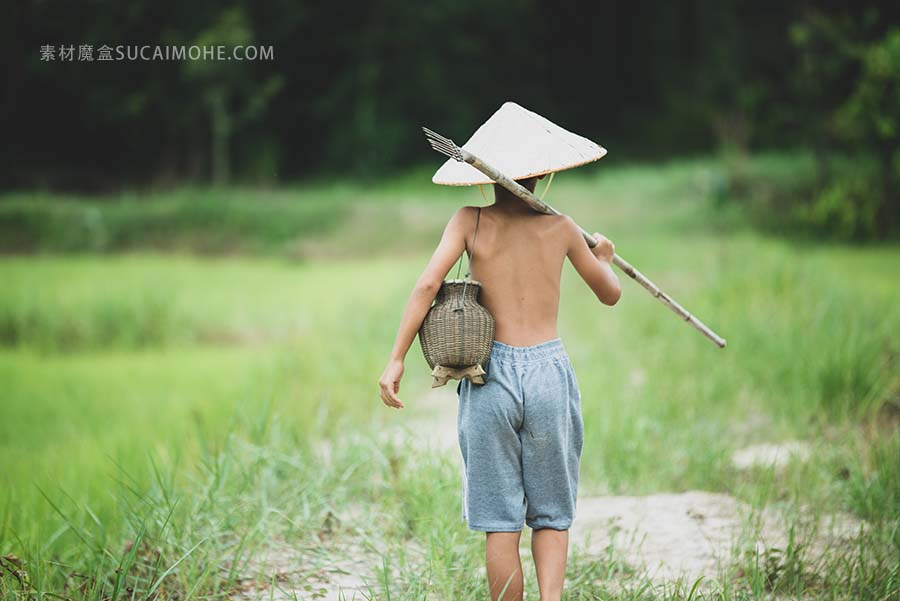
594 265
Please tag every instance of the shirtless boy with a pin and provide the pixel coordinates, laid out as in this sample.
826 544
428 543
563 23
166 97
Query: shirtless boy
521 432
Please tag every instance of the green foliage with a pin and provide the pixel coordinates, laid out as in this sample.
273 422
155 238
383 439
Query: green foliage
870 118
347 91
848 81
873 110
846 208
873 485
205 221
231 96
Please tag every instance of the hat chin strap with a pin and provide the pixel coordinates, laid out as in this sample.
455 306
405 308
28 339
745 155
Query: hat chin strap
481 189
547 187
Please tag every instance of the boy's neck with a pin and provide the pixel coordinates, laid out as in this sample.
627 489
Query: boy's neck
506 202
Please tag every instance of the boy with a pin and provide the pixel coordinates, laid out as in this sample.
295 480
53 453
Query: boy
520 432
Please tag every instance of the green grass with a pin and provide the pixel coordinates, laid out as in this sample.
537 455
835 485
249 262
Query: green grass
214 221
178 401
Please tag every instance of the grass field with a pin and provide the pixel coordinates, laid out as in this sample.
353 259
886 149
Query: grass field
164 410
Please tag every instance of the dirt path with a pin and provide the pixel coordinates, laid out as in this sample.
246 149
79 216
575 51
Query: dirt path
662 536
338 571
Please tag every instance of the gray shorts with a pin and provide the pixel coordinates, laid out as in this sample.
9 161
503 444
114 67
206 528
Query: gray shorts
521 435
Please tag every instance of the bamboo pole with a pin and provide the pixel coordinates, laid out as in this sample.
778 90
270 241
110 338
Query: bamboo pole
539 205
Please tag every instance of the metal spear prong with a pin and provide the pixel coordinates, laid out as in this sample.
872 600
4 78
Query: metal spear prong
443 145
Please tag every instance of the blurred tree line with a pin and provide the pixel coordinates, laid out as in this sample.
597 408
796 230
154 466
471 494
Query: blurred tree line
351 83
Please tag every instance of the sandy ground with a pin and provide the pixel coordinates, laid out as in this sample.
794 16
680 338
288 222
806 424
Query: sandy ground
664 536
687 535
333 572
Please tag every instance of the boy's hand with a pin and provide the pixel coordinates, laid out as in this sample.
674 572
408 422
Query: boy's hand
390 383
605 249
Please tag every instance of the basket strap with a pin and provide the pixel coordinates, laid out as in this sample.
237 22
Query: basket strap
474 238
459 264
471 256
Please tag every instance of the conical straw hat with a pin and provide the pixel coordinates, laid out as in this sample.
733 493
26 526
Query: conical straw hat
520 144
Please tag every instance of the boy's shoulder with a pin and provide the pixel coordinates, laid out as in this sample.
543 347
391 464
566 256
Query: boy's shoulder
562 223
464 214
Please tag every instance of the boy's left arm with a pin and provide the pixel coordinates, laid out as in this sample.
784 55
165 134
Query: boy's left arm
452 244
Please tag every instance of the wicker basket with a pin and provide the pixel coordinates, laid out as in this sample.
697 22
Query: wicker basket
457 333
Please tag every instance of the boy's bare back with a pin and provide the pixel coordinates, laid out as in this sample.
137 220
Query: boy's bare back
518 259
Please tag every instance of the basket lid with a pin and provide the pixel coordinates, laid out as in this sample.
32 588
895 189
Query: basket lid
463 281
